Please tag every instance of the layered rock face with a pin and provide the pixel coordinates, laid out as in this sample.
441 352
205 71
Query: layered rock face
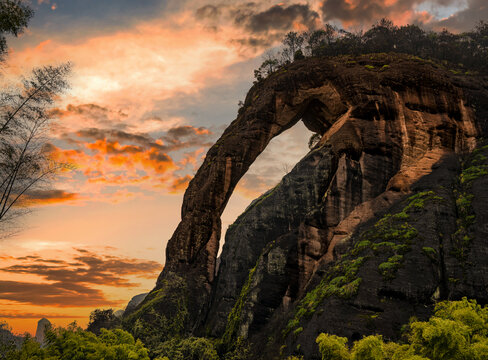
386 214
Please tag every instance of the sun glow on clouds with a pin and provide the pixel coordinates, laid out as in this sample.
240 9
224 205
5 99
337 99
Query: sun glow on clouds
134 68
133 161
69 286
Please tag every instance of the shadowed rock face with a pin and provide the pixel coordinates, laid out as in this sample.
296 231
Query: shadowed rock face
386 132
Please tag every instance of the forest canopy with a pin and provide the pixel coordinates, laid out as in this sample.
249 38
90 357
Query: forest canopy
468 50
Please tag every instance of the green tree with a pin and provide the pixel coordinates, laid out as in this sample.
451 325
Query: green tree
381 37
102 319
192 348
333 347
368 348
14 17
458 330
74 343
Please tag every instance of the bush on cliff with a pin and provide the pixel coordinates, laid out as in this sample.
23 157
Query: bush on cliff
464 53
456 330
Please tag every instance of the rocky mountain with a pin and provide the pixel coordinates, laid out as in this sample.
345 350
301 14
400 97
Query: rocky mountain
42 326
384 216
134 302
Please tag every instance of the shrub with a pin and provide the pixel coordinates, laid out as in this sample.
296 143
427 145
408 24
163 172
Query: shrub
333 347
457 330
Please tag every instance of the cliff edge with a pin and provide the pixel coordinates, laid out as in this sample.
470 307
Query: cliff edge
384 216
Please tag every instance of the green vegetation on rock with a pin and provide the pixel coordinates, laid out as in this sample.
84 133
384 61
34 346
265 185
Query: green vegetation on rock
150 324
234 317
459 54
474 168
187 349
392 235
458 330
340 281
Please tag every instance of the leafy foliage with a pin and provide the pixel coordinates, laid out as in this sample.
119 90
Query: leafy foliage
191 348
14 17
340 280
333 347
150 324
8 341
102 319
74 343
456 330
474 168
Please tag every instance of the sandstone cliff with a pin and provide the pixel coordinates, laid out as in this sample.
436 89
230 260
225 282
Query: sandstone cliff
385 215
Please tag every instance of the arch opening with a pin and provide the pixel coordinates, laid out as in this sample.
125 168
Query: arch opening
277 160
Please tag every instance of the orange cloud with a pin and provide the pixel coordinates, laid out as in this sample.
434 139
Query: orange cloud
109 158
72 282
180 184
134 68
48 197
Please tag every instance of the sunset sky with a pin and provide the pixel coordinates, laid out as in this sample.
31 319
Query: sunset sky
154 84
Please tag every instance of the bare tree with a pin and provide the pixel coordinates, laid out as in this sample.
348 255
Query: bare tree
293 43
25 164
270 65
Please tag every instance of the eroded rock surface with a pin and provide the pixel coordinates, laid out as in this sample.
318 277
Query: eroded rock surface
370 227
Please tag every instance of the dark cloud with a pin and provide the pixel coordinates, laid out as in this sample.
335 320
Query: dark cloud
53 294
186 131
257 43
71 283
29 257
174 139
42 197
264 26
251 17
159 157
367 12
208 12
279 18
101 115
118 135
362 11
466 19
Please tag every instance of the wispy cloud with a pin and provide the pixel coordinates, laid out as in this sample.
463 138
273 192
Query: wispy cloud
72 283
37 316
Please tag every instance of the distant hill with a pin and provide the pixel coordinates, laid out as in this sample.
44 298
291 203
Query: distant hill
7 338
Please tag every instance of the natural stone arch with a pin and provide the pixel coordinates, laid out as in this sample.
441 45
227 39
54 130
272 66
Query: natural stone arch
326 96
268 112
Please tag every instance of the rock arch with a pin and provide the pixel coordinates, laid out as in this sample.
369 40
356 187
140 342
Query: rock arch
358 110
